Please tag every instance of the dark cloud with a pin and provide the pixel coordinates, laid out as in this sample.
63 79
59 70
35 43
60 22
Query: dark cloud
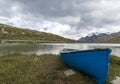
79 14
4 9
87 10
48 8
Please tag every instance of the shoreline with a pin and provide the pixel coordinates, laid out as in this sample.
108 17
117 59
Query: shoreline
33 41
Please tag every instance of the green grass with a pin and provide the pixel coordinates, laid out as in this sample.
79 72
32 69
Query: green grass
114 68
45 69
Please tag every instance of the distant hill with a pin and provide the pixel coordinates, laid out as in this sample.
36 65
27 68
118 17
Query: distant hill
102 37
10 33
94 37
113 40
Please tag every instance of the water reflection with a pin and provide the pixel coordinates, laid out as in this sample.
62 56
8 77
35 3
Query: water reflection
52 48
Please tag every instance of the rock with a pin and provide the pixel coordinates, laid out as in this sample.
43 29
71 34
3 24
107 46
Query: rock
69 72
116 81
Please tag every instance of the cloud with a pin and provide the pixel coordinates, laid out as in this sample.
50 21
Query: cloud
54 27
69 18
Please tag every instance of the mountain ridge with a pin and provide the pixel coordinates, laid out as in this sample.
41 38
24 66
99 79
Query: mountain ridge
102 37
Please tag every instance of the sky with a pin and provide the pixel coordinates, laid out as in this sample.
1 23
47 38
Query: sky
69 18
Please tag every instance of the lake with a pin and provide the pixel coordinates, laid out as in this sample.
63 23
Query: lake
52 48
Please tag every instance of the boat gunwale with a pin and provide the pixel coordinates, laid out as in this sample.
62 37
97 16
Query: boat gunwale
91 50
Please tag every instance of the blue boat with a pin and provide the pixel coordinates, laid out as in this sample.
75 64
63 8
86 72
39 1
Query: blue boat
92 62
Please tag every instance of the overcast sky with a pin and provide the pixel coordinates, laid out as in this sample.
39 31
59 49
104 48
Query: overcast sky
69 18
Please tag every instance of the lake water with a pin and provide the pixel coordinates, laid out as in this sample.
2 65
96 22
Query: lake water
52 48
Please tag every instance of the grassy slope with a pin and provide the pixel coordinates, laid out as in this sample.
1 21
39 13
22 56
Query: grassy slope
26 34
45 69
113 40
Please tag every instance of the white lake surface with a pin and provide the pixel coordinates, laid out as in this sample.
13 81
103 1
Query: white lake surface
52 48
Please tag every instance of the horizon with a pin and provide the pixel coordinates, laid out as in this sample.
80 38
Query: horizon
67 18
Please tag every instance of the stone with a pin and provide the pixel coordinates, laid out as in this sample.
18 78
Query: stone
116 81
69 72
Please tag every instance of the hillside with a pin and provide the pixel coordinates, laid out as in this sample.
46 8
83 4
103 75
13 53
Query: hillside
10 33
113 40
102 38
95 37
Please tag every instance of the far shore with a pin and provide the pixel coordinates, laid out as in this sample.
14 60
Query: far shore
34 41
43 41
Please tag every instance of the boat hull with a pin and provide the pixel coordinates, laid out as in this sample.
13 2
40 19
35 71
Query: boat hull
92 62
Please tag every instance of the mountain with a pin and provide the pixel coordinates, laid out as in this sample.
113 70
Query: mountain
10 33
95 37
113 40
102 37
